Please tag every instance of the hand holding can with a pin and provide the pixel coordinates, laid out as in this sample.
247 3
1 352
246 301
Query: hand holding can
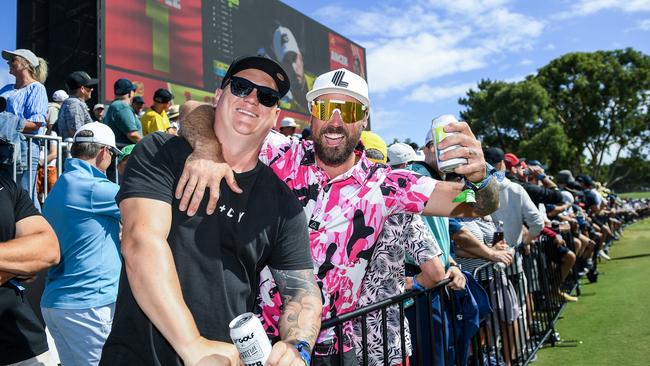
457 145
248 335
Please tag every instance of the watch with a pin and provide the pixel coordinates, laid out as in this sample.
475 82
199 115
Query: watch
305 351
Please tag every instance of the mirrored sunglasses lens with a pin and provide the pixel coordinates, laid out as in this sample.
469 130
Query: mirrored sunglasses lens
350 112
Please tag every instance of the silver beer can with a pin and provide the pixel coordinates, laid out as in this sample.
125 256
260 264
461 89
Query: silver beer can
437 129
248 335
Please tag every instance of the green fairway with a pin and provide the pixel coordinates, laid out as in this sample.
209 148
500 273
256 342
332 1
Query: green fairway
635 195
610 324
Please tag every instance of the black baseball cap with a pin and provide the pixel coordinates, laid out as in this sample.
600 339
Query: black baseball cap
78 79
270 67
493 155
138 99
123 86
162 96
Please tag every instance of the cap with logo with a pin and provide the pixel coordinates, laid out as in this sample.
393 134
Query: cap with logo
24 53
340 81
374 146
400 153
101 134
123 86
78 79
284 42
60 96
493 155
288 122
162 96
270 67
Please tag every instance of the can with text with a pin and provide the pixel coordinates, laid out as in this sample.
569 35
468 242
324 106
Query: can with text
248 335
437 127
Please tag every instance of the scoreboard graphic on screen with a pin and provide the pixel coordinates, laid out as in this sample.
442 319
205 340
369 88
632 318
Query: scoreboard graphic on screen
187 46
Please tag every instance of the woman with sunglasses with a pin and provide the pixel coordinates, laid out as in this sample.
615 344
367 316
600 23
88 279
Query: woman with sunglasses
27 98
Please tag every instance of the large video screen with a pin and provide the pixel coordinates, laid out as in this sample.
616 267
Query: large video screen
187 46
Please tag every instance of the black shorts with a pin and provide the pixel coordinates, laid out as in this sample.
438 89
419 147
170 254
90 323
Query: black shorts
558 252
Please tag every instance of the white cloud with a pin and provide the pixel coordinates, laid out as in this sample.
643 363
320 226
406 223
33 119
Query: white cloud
526 62
420 40
550 46
644 25
428 94
588 7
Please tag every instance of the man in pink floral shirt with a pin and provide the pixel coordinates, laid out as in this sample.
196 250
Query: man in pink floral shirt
346 198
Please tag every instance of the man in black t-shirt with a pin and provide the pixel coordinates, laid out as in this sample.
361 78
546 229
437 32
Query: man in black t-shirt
186 277
27 245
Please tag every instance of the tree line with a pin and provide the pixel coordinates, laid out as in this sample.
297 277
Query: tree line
573 113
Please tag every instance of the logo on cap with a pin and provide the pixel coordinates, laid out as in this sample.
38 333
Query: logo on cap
337 79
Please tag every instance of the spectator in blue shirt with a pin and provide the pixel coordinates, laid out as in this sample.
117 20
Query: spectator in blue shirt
79 298
27 99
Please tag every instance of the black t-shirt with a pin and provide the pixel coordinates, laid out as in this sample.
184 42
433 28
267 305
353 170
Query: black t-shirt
218 257
21 333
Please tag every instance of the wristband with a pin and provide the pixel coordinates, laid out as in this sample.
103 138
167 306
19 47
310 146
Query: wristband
417 286
456 265
468 195
304 351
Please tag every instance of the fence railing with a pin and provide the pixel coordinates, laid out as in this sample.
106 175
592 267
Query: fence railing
503 338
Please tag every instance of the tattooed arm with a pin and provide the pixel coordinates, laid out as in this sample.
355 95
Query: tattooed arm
440 202
300 319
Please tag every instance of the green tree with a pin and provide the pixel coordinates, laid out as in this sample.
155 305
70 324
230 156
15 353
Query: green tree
550 145
504 114
601 100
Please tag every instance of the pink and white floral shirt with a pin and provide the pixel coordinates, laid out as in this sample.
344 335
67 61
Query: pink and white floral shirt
346 215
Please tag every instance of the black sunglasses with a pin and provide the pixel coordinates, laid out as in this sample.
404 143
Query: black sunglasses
241 87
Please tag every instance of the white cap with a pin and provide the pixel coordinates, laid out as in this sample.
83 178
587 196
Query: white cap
340 81
399 153
429 137
288 122
102 134
26 54
284 42
59 96
98 106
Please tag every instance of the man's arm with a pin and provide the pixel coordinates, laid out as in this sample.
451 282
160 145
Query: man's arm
531 215
205 166
487 199
300 320
35 248
466 243
134 136
154 282
441 201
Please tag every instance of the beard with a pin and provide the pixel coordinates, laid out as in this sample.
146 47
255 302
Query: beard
335 156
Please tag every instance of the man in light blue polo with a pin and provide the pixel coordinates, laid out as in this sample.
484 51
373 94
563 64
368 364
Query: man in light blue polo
80 292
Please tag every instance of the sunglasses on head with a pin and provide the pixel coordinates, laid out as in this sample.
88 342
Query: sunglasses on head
350 112
241 87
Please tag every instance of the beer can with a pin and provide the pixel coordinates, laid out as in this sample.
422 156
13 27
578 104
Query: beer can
248 335
437 127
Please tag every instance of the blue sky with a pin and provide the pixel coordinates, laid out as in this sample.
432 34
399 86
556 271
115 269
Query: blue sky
422 55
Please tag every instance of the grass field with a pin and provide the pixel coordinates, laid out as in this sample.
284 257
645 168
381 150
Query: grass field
610 324
635 195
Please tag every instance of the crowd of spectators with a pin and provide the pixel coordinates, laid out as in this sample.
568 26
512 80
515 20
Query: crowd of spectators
340 222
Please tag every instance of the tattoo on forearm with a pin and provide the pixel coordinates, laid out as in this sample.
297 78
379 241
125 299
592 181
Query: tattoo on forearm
487 199
301 298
